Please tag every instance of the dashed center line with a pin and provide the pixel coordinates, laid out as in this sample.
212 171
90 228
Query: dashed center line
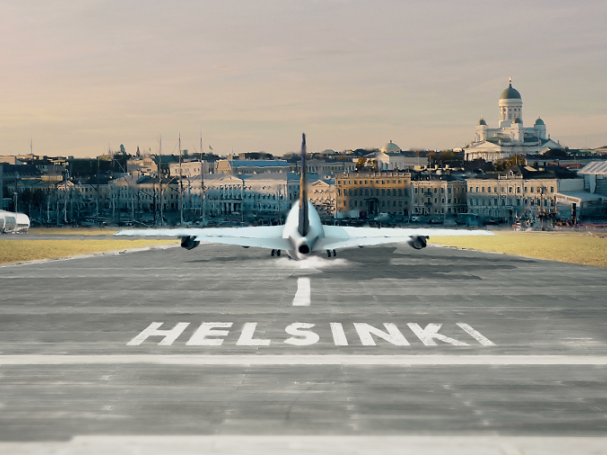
302 296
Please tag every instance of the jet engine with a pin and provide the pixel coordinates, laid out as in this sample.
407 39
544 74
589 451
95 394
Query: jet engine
189 243
418 242
303 249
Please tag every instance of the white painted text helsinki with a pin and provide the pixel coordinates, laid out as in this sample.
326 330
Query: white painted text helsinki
301 334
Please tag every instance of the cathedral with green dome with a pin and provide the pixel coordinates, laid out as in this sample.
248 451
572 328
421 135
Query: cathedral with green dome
510 137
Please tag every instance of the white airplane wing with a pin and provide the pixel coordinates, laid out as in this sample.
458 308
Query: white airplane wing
337 237
261 237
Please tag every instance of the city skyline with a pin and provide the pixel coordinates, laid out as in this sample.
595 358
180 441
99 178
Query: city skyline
82 77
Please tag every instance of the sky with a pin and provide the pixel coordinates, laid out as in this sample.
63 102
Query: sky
79 77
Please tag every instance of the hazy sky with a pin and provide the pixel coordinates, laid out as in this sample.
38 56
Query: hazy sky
79 76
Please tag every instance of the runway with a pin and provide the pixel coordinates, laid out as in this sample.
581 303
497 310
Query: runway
376 351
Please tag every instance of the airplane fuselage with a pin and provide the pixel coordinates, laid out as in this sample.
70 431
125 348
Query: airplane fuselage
302 244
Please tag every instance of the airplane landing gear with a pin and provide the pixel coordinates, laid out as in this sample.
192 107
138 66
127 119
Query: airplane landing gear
275 253
329 252
334 253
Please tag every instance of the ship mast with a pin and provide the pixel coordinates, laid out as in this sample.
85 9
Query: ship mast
180 184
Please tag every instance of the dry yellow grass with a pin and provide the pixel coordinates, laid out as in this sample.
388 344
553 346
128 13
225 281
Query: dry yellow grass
574 247
23 250
73 231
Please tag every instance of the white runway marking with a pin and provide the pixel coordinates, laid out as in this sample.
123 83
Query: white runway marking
301 337
302 296
339 335
430 333
353 360
392 335
246 337
269 445
153 330
207 329
475 334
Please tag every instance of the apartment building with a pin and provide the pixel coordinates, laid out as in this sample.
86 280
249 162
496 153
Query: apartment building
438 195
371 193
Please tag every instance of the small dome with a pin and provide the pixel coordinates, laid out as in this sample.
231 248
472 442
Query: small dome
482 122
517 120
539 121
510 93
391 147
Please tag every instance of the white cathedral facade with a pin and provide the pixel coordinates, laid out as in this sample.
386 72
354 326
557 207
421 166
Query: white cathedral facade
510 137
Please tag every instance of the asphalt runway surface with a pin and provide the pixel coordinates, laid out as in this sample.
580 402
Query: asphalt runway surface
228 350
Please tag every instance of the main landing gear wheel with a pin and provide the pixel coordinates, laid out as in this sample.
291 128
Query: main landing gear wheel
334 253
273 252
328 253
278 253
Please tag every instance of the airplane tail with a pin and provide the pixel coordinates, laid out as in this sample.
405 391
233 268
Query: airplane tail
303 193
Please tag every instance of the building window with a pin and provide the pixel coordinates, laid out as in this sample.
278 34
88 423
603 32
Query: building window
488 189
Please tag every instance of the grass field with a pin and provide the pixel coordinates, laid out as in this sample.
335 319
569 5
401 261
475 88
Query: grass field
73 231
23 250
588 248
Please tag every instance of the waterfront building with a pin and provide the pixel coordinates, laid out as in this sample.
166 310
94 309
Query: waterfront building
191 169
439 195
371 193
324 168
520 192
236 167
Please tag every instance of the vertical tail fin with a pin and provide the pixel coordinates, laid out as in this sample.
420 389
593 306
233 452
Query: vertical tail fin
303 193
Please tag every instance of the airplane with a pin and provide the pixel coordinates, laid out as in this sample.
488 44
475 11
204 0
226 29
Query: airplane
13 222
303 233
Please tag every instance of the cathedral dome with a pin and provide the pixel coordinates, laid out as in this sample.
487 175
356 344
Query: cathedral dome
539 121
482 122
510 94
391 147
517 120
